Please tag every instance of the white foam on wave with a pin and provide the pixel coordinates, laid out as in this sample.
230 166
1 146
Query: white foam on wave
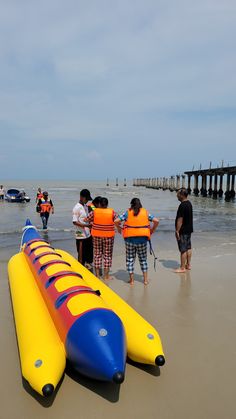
222 255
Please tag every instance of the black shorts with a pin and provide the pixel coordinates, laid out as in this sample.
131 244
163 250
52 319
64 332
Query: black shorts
85 250
184 243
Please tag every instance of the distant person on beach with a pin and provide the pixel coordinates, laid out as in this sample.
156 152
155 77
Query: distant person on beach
136 232
83 236
2 192
103 233
183 230
46 207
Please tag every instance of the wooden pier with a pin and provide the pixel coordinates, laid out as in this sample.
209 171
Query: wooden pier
214 182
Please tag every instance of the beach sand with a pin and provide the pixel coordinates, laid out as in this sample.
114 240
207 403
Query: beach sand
195 314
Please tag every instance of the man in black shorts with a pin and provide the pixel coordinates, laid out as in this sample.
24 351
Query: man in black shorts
183 230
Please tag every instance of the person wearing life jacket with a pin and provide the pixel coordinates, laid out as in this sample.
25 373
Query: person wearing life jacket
103 233
136 232
38 197
45 208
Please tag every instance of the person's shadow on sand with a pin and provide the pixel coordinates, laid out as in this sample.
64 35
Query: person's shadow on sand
169 264
123 275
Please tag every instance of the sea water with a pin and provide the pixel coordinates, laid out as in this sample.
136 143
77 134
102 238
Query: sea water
213 219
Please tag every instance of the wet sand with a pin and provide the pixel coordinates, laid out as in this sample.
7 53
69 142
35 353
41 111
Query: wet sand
195 314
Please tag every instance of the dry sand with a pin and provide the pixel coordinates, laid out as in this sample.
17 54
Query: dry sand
195 314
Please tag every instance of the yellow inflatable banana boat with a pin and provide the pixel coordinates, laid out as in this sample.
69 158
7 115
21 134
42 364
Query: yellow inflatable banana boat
62 311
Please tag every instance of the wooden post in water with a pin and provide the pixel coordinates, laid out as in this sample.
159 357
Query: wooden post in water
117 184
107 182
124 182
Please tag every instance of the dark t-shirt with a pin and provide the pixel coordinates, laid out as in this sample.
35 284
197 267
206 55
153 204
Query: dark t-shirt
185 211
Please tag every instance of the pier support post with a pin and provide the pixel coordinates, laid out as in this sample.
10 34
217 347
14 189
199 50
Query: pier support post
183 181
177 182
189 184
210 186
227 192
215 191
196 190
164 184
232 191
203 188
220 191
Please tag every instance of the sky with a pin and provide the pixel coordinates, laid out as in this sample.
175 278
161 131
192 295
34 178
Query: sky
106 88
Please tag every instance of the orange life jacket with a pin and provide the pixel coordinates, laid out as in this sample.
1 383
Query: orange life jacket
45 206
103 223
137 225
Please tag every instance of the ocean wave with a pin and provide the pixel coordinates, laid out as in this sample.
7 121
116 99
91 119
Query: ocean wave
120 193
63 189
5 233
50 229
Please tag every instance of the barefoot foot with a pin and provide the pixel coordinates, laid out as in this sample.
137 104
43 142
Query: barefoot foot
179 270
107 278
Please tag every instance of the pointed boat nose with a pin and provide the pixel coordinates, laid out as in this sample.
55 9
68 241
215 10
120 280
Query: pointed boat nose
48 390
96 345
118 377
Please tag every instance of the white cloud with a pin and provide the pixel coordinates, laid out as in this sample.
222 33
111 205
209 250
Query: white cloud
101 72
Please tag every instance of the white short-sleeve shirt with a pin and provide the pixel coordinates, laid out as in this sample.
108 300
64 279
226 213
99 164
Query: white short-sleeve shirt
80 212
